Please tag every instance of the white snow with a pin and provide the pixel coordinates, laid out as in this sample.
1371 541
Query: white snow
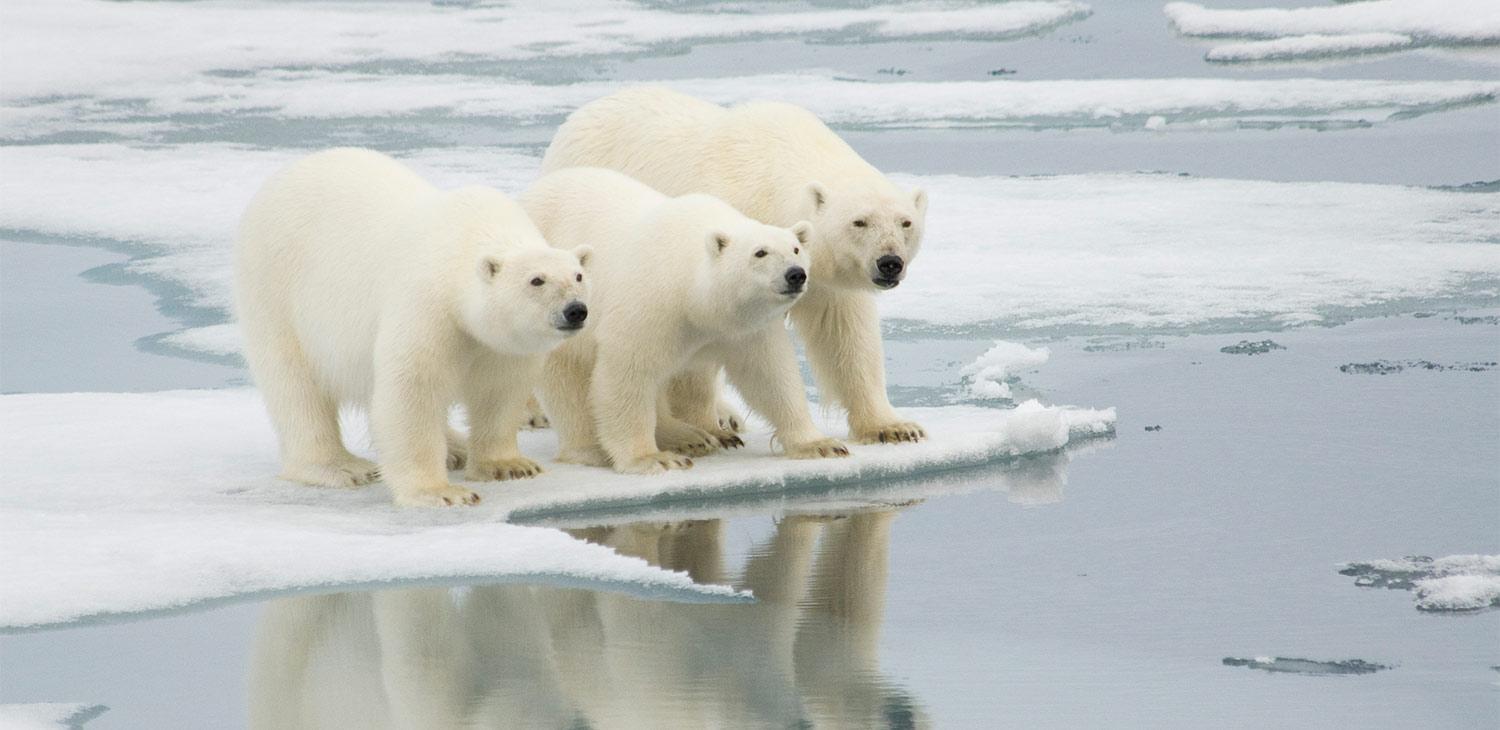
1458 592
1308 46
46 715
71 47
173 502
1193 103
1358 26
224 339
1075 251
988 375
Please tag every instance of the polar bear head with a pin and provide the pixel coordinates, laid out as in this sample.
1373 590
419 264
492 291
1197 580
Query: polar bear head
755 272
526 302
868 232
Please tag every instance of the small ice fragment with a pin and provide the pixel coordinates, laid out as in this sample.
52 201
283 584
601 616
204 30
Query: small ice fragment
987 375
1246 347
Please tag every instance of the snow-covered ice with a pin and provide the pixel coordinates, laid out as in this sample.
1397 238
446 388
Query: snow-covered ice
987 376
73 47
47 715
1308 46
1452 583
1120 104
1097 252
1351 27
174 503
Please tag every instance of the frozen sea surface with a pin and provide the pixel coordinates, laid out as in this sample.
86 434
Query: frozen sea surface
1103 191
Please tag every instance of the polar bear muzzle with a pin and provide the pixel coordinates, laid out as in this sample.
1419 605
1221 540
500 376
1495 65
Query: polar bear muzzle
888 270
796 280
573 316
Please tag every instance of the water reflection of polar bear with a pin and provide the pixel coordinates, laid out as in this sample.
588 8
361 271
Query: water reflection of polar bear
515 656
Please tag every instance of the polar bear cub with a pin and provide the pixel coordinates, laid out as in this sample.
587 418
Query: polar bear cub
358 282
778 164
680 285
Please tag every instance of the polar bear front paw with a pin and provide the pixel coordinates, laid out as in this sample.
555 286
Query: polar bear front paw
661 461
519 467
536 418
444 496
344 473
891 433
729 418
824 448
685 439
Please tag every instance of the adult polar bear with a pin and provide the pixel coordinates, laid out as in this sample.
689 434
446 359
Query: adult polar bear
683 284
357 281
778 164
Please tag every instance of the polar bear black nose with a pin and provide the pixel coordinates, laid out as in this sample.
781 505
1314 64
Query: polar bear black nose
890 265
796 277
575 313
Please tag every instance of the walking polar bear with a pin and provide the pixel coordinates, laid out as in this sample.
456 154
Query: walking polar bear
680 285
358 282
778 164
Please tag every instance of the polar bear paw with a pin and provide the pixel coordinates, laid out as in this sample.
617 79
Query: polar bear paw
824 448
345 473
688 440
536 418
444 496
891 433
661 461
729 419
519 467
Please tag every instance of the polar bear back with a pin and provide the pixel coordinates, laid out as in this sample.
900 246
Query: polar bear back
759 156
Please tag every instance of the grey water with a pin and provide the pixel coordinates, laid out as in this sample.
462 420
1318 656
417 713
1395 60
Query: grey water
1109 588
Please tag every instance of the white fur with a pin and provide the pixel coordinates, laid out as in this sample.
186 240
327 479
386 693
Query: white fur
778 164
677 287
357 282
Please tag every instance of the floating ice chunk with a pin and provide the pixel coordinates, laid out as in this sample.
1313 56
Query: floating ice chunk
1451 21
1356 27
988 374
1308 46
47 715
175 503
1452 583
1246 347
1306 666
224 340
69 47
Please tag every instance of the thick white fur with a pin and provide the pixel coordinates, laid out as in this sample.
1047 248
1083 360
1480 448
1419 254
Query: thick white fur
778 164
677 287
358 282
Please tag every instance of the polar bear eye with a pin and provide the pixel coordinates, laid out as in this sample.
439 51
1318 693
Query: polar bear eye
796 251
538 281
906 224
860 223
578 277
760 254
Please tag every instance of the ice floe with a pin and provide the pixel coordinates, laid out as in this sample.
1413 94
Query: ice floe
72 47
1292 665
173 502
47 715
986 378
143 109
1452 583
1063 253
1353 27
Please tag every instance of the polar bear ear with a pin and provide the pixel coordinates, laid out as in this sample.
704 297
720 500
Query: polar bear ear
803 231
716 241
583 253
919 199
489 268
818 195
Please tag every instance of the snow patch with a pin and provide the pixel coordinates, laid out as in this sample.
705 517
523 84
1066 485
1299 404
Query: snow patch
987 377
175 503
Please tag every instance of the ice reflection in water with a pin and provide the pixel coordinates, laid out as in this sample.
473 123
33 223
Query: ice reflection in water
804 655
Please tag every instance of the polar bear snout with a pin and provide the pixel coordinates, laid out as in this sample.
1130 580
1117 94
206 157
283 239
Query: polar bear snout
796 280
888 270
573 316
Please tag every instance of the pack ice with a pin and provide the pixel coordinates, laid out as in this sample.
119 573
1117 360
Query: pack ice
1345 28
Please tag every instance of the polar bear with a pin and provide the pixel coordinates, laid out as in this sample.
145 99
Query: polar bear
358 282
778 164
680 285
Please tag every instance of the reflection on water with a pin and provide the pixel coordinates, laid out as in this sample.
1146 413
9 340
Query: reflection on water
804 655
